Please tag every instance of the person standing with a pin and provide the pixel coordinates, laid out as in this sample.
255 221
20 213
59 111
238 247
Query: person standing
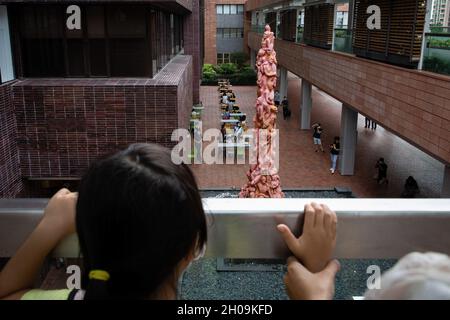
277 98
411 188
335 149
382 171
374 125
317 137
367 125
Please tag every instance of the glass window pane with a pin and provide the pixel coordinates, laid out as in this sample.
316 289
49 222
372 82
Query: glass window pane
226 9
42 41
95 17
233 9
226 33
240 8
75 57
219 9
126 22
97 57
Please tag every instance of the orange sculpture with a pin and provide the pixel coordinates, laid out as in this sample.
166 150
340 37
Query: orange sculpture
263 178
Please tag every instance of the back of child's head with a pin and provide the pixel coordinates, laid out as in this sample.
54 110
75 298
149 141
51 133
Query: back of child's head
417 276
138 216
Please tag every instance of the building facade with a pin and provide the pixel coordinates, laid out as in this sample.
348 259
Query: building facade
440 10
128 73
224 30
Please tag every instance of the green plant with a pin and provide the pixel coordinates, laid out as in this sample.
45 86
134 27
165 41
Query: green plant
227 68
434 64
209 73
239 58
438 43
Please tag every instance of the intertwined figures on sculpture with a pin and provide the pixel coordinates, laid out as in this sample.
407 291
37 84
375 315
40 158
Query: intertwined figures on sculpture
263 178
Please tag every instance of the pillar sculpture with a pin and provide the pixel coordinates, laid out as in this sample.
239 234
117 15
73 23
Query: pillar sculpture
263 178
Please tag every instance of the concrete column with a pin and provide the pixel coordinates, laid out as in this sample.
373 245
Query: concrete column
446 184
349 125
283 83
306 105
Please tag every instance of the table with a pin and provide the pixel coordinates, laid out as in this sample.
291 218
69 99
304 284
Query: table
229 121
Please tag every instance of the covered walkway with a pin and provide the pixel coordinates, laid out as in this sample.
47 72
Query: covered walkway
301 167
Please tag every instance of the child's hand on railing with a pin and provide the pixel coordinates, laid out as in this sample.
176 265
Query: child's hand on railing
314 248
59 215
304 285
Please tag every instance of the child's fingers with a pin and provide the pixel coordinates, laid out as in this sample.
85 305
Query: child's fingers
318 216
289 237
309 217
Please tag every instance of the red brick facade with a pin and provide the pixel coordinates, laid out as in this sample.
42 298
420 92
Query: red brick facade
211 28
64 125
10 179
413 104
192 46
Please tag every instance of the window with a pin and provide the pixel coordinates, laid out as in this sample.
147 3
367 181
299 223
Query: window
117 41
223 58
230 33
6 64
229 9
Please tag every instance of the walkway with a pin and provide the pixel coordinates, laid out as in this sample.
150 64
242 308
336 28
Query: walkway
301 167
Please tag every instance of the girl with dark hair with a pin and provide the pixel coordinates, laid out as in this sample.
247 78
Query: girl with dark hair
140 223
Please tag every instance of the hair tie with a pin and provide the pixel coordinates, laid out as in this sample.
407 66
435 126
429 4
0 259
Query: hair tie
99 275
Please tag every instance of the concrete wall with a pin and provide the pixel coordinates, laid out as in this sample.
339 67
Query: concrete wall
230 21
64 124
229 45
413 104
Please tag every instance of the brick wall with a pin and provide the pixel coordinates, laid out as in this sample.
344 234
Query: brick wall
259 4
185 102
413 104
10 180
64 124
192 46
211 28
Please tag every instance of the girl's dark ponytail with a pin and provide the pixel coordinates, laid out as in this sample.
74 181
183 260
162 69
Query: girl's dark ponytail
97 286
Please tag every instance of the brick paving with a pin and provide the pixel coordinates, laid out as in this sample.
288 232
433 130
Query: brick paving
301 167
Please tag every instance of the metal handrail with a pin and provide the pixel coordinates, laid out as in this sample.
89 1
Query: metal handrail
246 228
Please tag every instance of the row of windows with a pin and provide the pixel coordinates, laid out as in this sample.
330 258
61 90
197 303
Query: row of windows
226 33
223 58
116 41
230 9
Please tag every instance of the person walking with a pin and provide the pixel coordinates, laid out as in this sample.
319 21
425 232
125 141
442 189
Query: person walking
317 137
335 149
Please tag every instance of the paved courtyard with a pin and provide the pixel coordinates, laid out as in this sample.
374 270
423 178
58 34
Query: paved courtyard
301 167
